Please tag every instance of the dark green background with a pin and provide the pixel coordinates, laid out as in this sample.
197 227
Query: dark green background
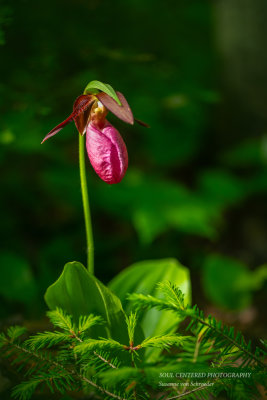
195 71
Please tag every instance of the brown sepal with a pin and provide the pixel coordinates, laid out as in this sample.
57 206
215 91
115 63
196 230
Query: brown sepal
123 112
142 123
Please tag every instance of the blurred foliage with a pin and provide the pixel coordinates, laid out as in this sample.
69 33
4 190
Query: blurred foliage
229 283
191 190
17 281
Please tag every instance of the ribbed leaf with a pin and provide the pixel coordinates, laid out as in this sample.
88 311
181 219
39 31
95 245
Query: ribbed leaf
79 293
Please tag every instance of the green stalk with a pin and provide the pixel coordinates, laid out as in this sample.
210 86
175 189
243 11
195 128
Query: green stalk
86 207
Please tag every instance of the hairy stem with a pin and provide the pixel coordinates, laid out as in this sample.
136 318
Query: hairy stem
86 207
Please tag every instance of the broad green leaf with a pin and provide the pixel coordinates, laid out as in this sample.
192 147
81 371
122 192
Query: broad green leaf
143 277
93 87
79 293
229 283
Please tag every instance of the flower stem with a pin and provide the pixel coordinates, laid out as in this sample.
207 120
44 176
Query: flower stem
86 207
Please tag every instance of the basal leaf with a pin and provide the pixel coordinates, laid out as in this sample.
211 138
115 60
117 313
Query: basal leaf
79 293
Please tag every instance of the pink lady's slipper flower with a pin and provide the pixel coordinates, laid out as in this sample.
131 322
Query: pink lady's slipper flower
105 147
107 152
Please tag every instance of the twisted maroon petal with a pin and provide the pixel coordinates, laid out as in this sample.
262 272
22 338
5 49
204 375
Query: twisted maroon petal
81 104
107 152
